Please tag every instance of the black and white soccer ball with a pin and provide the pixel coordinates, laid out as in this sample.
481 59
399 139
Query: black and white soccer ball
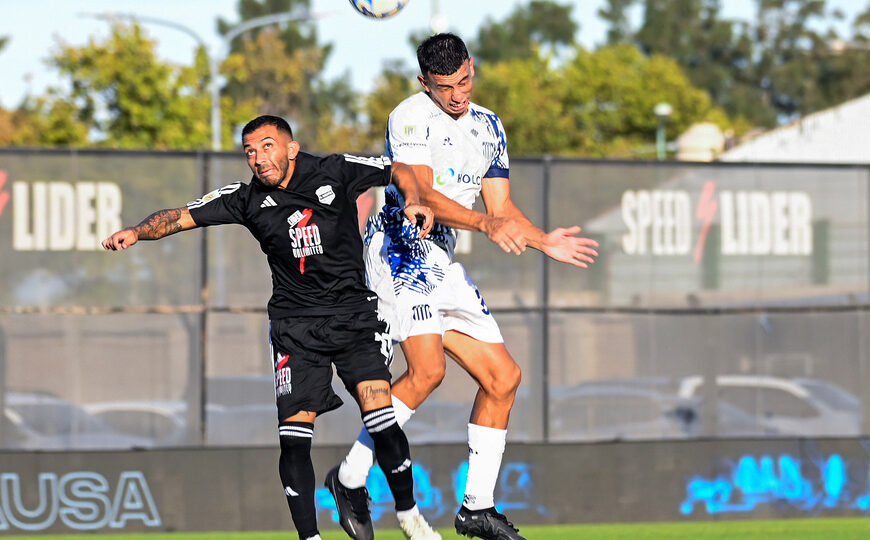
379 9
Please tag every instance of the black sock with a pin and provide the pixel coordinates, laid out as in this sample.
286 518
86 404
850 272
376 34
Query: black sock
297 475
393 454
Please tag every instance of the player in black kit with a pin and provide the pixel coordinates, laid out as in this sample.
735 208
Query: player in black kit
302 210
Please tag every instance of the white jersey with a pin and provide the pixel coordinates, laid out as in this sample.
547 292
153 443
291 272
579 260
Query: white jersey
462 152
420 289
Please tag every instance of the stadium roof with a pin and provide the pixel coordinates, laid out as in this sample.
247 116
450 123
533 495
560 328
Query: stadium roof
835 135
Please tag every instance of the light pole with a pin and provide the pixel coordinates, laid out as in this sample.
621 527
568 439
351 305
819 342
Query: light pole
438 21
662 111
214 83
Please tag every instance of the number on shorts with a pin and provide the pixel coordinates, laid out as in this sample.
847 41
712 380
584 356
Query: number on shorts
482 303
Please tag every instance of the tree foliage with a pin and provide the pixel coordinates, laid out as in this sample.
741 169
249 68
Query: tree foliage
784 62
393 85
525 31
553 95
280 69
598 105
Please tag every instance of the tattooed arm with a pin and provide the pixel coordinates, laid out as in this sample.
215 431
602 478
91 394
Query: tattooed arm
157 225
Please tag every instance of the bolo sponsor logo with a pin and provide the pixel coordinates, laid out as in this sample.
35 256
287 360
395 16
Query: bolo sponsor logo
450 175
752 222
61 216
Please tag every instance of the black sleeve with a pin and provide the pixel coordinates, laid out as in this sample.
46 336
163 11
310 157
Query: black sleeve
223 205
359 173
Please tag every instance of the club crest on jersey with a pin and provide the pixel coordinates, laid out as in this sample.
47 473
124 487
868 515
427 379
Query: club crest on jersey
325 194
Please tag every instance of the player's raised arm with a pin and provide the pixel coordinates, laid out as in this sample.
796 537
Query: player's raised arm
559 244
157 225
404 178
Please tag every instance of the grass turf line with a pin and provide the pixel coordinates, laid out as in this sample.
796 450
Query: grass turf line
790 529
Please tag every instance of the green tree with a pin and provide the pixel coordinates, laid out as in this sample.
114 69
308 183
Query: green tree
394 84
600 104
127 98
49 120
784 63
280 69
615 15
541 23
717 54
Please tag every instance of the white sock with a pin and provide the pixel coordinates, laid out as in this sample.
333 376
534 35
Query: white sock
485 450
401 515
354 470
315 537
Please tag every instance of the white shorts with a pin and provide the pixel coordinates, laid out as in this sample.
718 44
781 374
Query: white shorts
438 297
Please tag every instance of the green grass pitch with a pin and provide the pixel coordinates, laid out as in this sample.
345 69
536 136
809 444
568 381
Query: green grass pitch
792 529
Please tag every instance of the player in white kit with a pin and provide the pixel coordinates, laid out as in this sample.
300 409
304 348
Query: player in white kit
460 149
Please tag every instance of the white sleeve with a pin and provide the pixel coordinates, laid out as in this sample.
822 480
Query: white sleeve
408 136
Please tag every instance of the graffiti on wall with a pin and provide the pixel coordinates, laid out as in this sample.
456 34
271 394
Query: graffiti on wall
754 481
515 492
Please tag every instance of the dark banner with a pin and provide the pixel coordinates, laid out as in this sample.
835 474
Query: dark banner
239 490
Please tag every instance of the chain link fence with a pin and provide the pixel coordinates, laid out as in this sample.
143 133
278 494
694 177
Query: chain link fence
729 300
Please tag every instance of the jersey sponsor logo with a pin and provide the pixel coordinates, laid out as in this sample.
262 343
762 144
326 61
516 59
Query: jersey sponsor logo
445 177
268 201
421 312
212 195
380 162
325 194
282 375
450 175
295 218
305 239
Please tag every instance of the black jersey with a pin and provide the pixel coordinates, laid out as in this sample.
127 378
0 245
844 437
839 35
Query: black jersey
308 231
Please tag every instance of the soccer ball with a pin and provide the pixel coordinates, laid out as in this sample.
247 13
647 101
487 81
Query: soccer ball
379 9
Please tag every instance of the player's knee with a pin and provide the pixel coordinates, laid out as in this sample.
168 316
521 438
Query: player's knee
295 439
391 444
429 376
503 385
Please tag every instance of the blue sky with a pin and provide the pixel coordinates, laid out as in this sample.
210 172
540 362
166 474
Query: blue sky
361 45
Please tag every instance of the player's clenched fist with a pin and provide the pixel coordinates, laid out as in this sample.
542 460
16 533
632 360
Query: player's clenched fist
422 216
121 239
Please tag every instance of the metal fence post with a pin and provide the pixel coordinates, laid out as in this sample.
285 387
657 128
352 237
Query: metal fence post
545 300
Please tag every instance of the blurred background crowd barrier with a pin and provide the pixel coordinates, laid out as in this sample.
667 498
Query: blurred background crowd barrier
729 300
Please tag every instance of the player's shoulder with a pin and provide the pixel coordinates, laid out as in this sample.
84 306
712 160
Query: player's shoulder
234 189
418 105
476 108
341 160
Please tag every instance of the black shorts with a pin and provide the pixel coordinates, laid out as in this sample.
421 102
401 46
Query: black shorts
304 349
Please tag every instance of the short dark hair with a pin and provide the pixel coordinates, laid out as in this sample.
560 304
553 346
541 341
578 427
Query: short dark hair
441 54
267 120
